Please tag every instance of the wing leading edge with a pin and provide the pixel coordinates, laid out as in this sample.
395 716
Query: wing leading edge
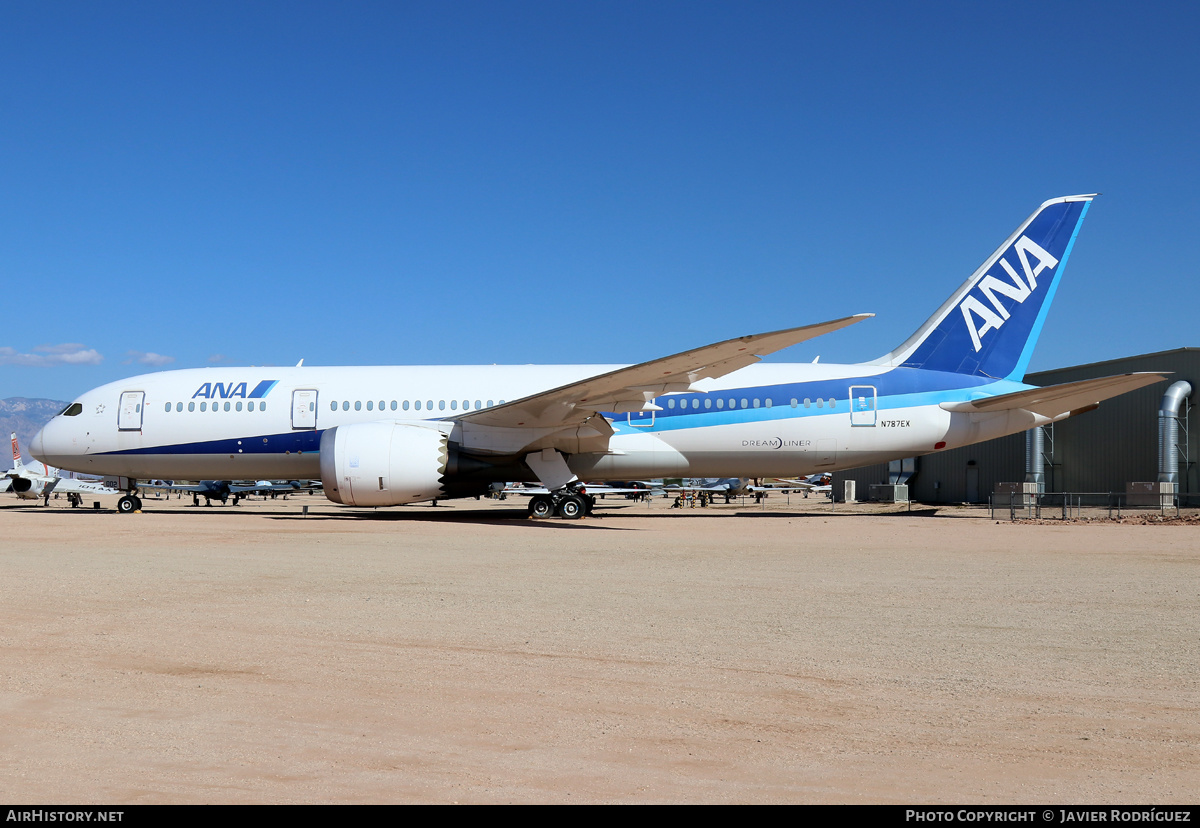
632 389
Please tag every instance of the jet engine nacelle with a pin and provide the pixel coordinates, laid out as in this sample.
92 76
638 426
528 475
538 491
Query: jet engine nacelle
24 486
383 464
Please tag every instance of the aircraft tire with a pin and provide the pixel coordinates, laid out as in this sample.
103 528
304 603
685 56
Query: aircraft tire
541 507
571 508
127 504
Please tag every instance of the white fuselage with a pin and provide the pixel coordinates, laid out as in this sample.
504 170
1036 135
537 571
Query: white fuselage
761 421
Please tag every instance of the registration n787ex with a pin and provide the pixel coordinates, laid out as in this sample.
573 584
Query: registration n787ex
382 436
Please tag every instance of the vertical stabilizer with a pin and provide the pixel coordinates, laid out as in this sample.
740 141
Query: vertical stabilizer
989 326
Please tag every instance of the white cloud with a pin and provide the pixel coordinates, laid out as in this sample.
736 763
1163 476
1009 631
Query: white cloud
68 353
148 358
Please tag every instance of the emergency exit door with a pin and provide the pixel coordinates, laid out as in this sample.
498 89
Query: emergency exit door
304 408
129 416
862 405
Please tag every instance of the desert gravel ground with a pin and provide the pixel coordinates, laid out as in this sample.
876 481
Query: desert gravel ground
793 653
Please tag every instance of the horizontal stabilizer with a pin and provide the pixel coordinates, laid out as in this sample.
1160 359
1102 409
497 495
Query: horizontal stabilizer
1056 400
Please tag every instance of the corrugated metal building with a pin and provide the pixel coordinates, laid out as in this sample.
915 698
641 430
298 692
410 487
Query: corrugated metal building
1099 451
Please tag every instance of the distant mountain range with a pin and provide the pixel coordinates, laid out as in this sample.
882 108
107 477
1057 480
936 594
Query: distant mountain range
26 417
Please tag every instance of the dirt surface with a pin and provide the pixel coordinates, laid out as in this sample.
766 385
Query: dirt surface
794 653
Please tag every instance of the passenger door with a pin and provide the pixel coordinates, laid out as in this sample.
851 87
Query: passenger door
862 405
129 415
304 408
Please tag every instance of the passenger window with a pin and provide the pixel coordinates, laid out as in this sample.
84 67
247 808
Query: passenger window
745 403
832 402
477 405
720 403
756 402
191 406
708 402
820 403
333 405
429 405
345 405
204 406
807 402
358 405
381 405
226 406
370 405
179 406
417 405
768 402
454 405
168 408
671 403
238 406
393 405
441 405
405 406
794 402
489 405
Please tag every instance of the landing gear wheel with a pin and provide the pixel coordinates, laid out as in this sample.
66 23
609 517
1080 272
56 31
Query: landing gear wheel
137 503
571 507
541 507
127 504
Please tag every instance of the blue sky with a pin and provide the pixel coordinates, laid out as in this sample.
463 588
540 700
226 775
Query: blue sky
194 184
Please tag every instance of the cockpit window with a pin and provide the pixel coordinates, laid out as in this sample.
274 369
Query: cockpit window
71 410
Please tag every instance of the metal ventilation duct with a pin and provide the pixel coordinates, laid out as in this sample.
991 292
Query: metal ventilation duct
1035 455
1168 431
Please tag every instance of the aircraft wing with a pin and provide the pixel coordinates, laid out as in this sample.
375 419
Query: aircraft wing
590 488
793 485
674 487
631 389
194 488
1056 400
262 486
66 485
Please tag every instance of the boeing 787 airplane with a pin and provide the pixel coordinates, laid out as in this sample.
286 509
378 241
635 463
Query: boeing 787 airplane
383 436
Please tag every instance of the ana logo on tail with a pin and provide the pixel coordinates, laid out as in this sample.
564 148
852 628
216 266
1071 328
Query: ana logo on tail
1019 290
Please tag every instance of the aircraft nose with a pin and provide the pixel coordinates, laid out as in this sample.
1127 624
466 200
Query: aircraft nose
36 445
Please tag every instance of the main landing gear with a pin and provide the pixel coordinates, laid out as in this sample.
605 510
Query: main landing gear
566 503
129 503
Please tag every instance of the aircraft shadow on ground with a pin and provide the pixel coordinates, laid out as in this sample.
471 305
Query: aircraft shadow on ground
489 517
513 517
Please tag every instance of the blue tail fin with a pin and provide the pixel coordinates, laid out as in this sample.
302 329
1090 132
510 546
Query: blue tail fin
989 326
